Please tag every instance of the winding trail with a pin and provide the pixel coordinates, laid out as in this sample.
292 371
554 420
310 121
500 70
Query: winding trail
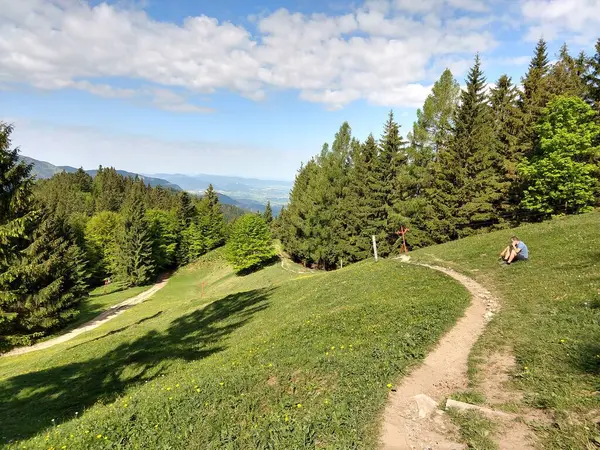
107 315
409 422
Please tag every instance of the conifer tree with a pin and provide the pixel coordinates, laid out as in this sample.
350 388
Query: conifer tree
566 75
211 219
592 79
16 218
391 159
467 187
46 282
135 265
109 189
431 134
508 125
268 214
535 96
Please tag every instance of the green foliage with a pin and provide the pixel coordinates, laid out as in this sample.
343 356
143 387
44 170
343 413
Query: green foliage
101 245
592 79
562 176
16 217
250 244
109 190
467 190
134 264
163 229
268 214
567 75
43 285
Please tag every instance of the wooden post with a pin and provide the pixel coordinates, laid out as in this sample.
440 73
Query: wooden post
375 247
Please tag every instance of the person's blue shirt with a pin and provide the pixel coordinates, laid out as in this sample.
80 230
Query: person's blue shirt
524 250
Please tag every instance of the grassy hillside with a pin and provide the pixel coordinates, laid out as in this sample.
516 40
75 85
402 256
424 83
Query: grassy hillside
550 320
274 359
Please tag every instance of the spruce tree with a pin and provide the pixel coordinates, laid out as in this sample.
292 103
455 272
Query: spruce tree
268 214
211 219
592 79
109 189
508 124
535 96
16 219
391 159
431 134
46 282
134 262
467 187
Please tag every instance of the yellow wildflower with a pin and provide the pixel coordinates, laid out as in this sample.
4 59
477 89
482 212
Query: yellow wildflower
299 405
389 385
99 436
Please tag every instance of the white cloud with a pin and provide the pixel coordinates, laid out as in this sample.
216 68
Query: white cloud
554 19
380 52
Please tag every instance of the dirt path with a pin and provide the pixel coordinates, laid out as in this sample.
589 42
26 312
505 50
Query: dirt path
107 315
411 423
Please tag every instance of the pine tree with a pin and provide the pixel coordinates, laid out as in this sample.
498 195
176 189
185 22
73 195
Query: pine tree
250 244
134 263
211 219
46 282
467 189
592 79
508 124
391 158
16 219
268 214
431 134
109 189
534 97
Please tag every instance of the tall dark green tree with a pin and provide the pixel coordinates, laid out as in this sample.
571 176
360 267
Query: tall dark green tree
508 126
109 189
16 219
211 219
135 265
467 189
268 214
391 160
592 79
431 134
45 283
535 96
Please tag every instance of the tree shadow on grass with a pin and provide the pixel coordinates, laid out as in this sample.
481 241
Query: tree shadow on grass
30 401
269 262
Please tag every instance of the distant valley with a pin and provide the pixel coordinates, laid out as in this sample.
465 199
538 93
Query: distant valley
247 193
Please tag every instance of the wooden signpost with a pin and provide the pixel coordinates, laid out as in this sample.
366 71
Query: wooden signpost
402 232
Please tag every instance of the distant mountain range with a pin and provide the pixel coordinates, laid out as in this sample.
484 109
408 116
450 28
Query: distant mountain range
247 193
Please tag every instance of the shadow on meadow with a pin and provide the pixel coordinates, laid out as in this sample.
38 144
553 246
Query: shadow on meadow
29 402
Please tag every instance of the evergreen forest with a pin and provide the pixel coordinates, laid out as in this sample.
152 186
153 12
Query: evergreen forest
477 159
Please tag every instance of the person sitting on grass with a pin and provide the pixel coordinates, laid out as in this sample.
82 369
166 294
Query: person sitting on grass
516 251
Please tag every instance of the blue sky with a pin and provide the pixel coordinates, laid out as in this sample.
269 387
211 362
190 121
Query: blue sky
241 88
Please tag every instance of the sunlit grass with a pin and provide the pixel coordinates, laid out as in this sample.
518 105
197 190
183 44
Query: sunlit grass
269 360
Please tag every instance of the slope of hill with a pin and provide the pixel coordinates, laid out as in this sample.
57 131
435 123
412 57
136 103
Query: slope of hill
43 169
540 357
275 359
